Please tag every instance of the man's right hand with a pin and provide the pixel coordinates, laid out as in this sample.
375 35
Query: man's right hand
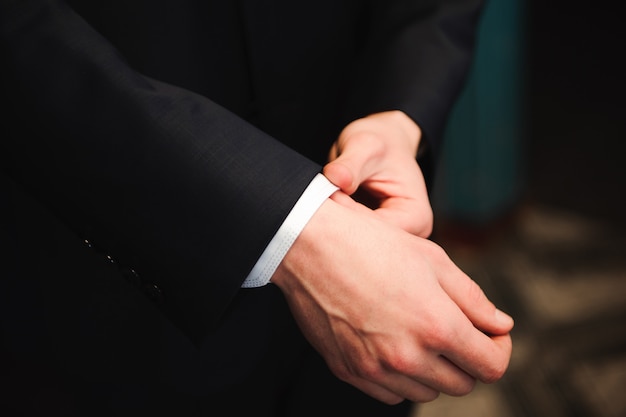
389 311
374 161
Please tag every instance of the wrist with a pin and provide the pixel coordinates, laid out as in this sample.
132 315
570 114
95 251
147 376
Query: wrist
398 124
411 130
316 241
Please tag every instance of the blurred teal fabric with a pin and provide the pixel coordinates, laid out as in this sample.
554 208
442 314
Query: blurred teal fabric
480 176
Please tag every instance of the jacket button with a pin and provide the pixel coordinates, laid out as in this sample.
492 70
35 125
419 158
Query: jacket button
153 292
131 276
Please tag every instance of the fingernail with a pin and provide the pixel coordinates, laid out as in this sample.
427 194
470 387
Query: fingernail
504 318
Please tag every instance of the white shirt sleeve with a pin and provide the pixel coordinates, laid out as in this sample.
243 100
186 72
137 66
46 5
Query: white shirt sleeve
314 195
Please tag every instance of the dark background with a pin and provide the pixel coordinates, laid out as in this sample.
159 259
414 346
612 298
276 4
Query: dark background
577 74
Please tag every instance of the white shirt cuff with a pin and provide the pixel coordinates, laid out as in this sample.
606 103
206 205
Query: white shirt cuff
314 195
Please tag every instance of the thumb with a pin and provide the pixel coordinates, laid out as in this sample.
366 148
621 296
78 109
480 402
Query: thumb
341 175
350 167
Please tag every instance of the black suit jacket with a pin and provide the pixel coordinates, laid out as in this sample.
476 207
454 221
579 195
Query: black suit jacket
166 141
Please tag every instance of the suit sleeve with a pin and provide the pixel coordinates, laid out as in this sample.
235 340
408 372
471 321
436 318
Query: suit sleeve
163 180
415 59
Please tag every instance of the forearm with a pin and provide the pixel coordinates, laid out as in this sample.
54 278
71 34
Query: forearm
162 180
415 59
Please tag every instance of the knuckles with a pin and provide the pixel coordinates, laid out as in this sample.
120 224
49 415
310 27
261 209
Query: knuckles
463 388
495 372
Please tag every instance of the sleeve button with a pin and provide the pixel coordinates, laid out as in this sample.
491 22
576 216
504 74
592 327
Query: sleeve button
153 292
131 276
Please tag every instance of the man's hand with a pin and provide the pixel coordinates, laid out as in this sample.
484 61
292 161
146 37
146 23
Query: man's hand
374 160
389 311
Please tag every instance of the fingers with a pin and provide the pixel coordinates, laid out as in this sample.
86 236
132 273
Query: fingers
430 338
427 376
373 160
478 342
412 215
455 353
419 378
346 201
394 188
399 388
464 349
444 376
383 383
483 357
473 302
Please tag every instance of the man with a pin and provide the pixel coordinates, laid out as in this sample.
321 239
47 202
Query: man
177 146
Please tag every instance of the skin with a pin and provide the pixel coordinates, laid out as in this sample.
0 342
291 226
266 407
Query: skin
387 309
374 160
